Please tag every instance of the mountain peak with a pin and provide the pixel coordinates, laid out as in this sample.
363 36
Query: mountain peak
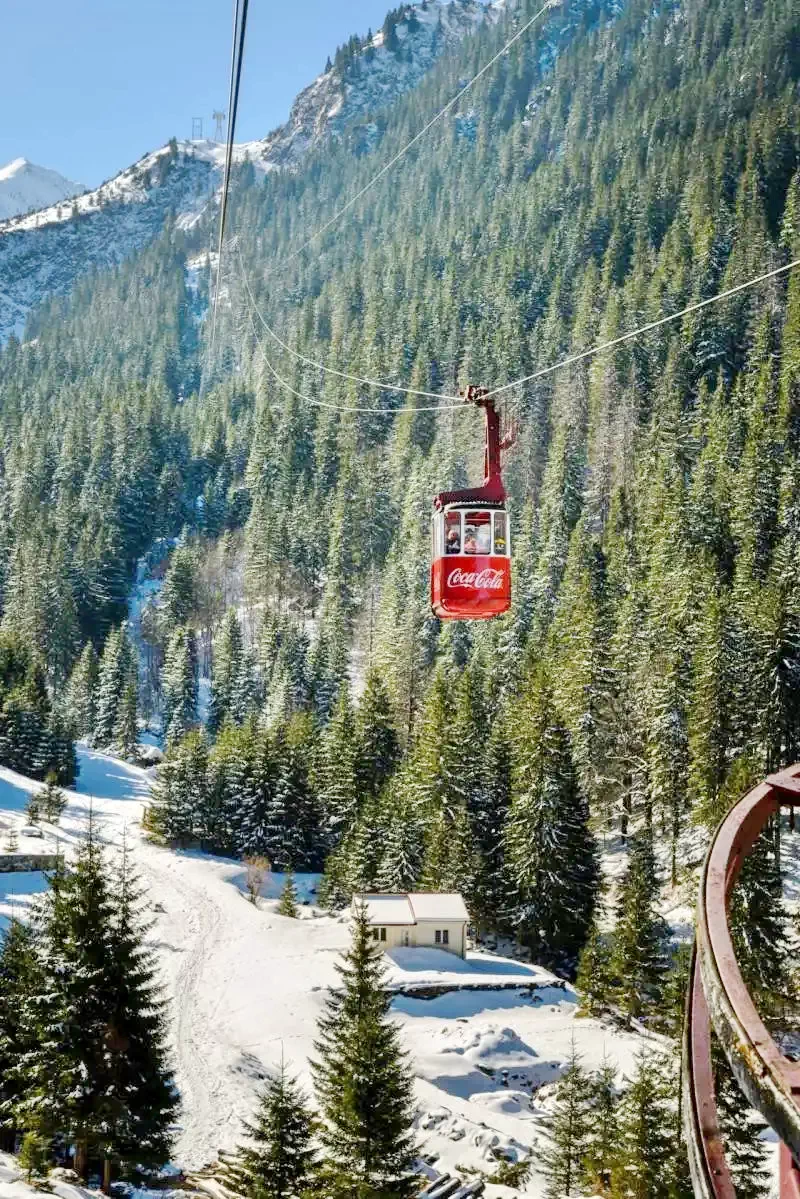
24 186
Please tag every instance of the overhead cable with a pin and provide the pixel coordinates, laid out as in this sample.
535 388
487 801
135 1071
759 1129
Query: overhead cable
540 374
237 56
417 136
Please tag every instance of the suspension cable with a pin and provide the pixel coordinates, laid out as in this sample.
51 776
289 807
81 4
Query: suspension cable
339 407
664 320
237 57
540 374
417 136
329 370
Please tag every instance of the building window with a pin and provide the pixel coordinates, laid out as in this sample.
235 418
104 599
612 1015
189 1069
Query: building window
383 934
375 934
442 936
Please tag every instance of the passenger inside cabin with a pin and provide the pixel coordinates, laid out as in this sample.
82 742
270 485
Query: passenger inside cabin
470 541
484 539
453 545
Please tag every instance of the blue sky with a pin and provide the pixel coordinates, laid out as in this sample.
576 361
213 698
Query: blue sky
88 86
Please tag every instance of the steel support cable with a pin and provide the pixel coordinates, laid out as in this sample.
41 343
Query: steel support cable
664 320
237 56
417 136
570 360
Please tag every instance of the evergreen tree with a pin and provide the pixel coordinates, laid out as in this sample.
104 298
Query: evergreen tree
602 1138
646 1158
287 906
639 958
141 1099
17 981
745 1152
179 685
568 1126
81 692
550 852
593 979
363 1082
280 1161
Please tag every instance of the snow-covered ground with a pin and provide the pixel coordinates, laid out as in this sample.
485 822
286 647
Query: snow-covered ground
247 986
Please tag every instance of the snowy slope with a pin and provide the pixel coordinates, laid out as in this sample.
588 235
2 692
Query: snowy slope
246 986
24 187
342 100
44 252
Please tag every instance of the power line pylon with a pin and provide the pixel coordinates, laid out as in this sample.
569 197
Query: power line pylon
219 128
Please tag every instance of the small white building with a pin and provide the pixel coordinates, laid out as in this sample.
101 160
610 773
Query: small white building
417 920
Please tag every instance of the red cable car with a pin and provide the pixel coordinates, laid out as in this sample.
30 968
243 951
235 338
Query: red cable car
471 559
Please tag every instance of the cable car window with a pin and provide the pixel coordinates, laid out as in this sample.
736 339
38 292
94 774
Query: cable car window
500 533
478 533
452 533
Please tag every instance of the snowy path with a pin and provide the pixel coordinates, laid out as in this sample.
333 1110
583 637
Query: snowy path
246 986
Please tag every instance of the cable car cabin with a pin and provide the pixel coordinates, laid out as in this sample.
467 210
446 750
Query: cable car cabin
471 571
471 559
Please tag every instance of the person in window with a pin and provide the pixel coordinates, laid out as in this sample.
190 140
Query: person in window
470 540
453 542
484 539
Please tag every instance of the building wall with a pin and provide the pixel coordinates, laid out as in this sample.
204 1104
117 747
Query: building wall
423 936
426 935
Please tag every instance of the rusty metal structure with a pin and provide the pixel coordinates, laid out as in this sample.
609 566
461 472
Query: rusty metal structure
718 998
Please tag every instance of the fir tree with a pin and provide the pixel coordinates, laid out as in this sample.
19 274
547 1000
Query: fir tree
602 1138
363 1082
645 1162
568 1126
639 959
287 905
279 1161
141 1099
593 978
179 685
550 852
745 1152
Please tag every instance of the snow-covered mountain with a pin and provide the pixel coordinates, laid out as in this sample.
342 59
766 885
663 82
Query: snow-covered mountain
25 187
368 74
43 252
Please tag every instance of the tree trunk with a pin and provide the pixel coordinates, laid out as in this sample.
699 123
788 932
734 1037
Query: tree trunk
81 1160
106 1185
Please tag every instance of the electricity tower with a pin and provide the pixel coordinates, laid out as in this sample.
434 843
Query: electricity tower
219 128
197 128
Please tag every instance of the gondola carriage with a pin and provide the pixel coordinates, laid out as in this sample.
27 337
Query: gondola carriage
471 556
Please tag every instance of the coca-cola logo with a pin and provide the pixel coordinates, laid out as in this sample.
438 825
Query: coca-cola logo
478 580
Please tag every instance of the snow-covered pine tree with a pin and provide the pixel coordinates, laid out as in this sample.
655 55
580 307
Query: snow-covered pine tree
79 707
140 1099
363 1082
550 852
647 1163
602 1137
741 1127
568 1126
377 748
179 805
117 669
230 680
335 773
279 1161
179 685
66 1077
51 800
287 905
593 979
639 957
18 980
126 729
